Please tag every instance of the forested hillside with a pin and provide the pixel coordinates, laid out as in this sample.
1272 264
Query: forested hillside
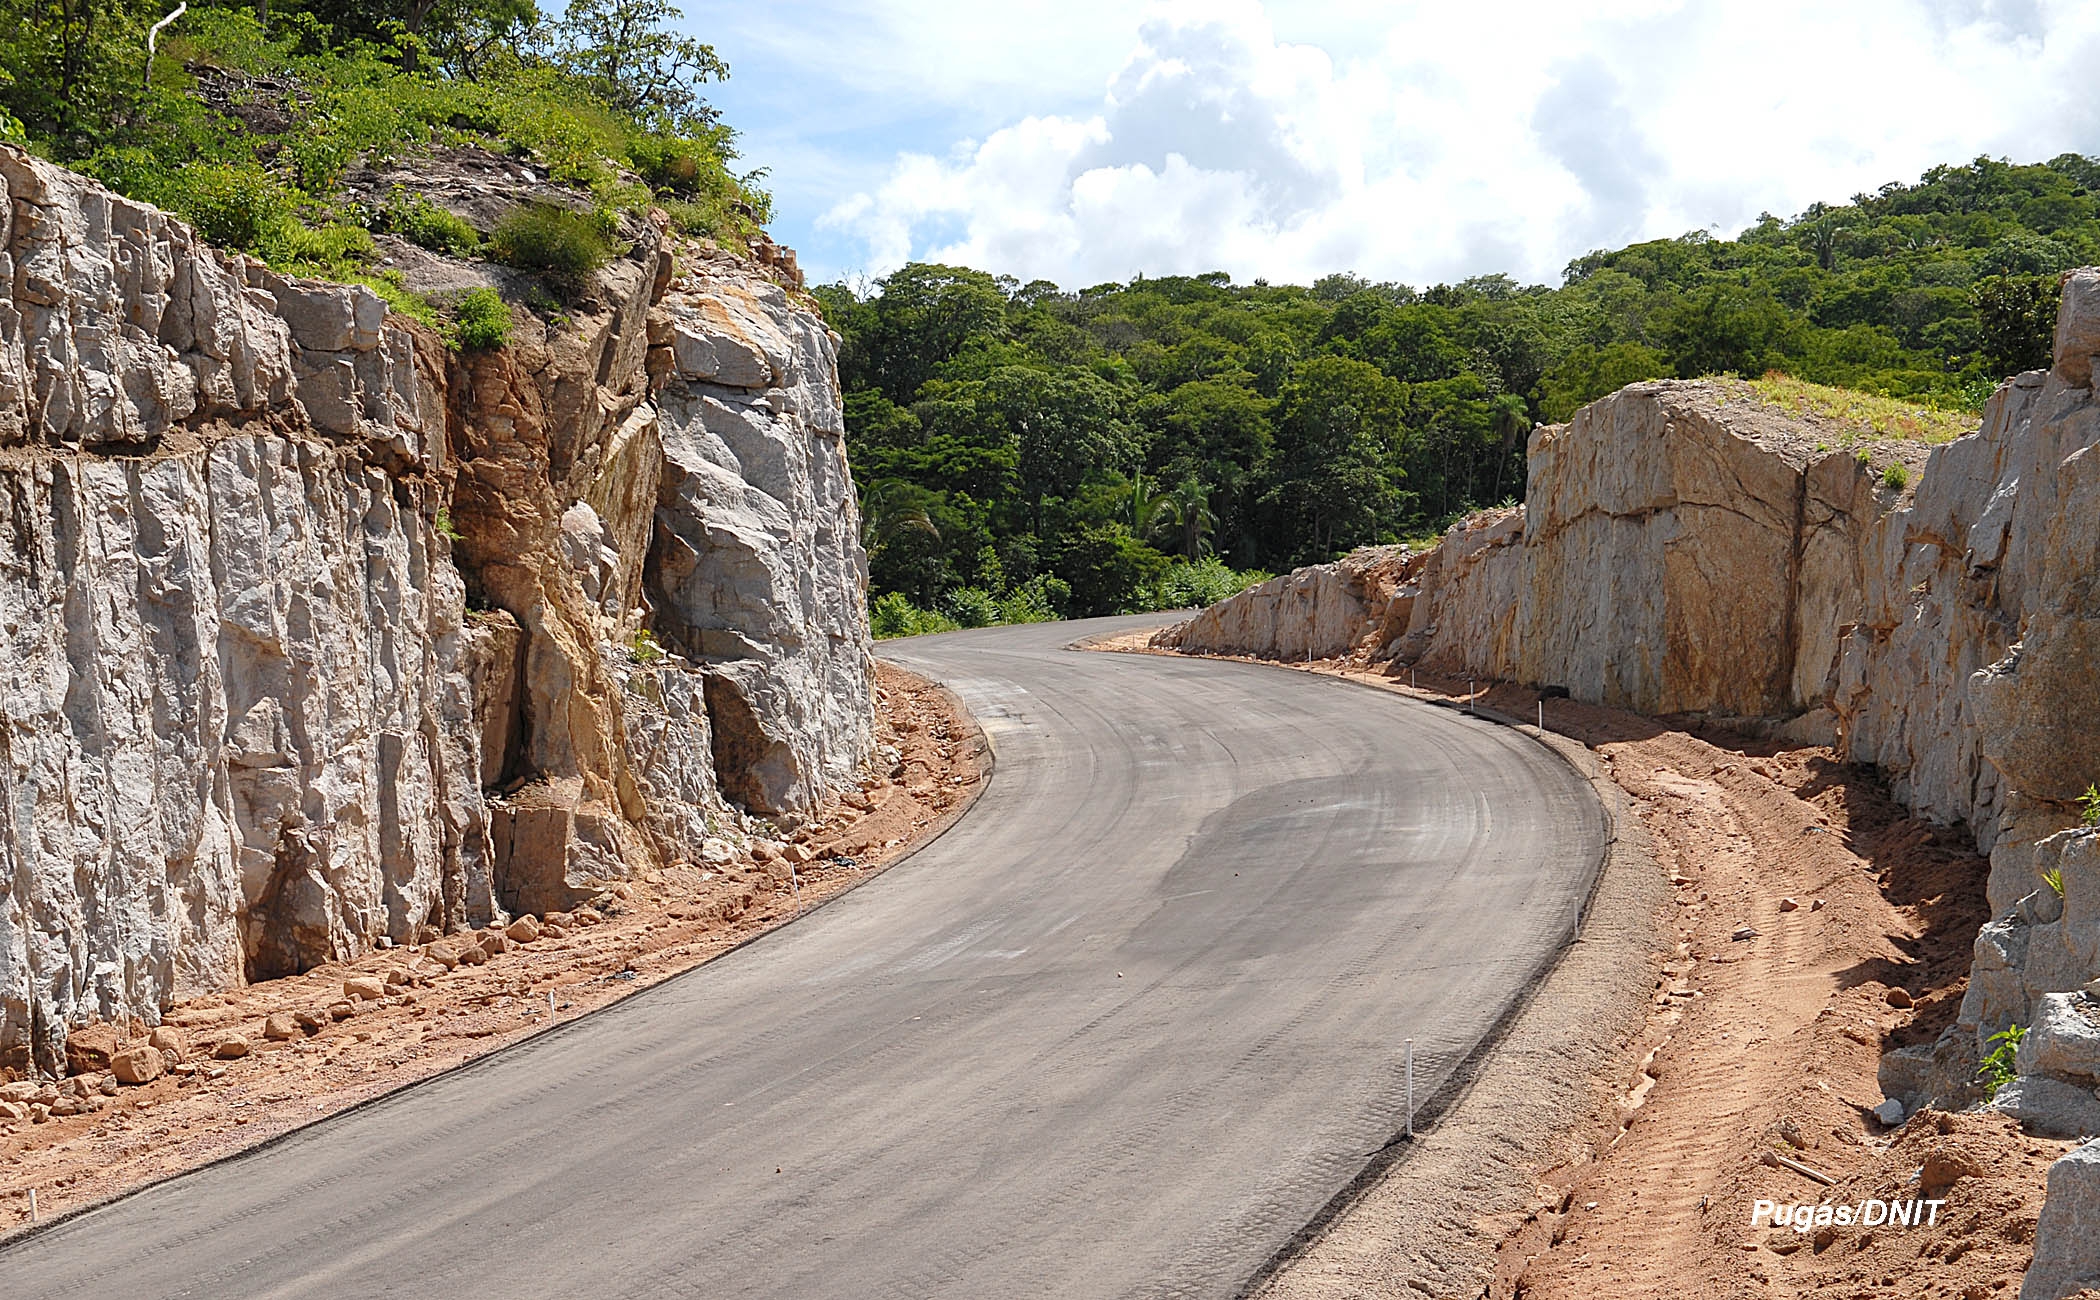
1020 445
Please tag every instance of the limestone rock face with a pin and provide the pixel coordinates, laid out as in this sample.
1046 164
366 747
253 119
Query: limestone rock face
1675 544
1319 612
1463 618
758 571
314 634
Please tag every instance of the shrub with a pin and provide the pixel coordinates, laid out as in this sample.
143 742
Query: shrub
424 223
333 252
564 246
645 649
893 615
1041 599
1895 476
1202 583
2089 805
1998 1068
482 320
399 297
971 607
234 205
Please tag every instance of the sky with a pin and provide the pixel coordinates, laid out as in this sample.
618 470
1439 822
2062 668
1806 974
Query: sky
1083 142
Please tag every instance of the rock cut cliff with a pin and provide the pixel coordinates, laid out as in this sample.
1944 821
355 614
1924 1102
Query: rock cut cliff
320 637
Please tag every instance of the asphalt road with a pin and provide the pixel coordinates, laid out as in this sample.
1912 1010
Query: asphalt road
1121 1032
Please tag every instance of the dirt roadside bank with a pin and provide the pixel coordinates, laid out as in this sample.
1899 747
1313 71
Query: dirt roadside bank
330 1048
1615 1142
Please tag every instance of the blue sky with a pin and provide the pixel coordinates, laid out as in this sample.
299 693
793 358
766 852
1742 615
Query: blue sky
1081 141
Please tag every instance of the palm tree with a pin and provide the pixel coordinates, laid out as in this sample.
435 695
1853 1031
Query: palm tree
1190 506
1511 418
1148 509
885 511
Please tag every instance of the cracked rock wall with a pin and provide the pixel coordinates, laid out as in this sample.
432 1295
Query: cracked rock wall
315 636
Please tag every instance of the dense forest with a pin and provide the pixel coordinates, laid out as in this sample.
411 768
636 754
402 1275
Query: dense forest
1023 448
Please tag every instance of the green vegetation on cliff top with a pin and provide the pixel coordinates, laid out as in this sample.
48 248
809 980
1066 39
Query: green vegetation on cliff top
252 114
1010 433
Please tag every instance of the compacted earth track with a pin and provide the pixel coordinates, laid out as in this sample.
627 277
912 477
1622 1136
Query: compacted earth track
1123 1031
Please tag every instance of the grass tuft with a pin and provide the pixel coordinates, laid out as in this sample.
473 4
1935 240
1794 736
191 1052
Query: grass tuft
1870 415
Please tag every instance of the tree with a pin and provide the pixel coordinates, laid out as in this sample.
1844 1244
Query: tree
2018 322
891 507
1192 518
1110 572
924 316
72 71
1330 486
624 52
1064 423
1586 374
1729 328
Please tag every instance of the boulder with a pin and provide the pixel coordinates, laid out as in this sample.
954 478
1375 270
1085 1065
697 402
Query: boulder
2067 1239
2063 1042
231 1048
139 1064
364 988
2049 1107
523 930
342 1010
310 1020
281 1026
168 1041
89 1048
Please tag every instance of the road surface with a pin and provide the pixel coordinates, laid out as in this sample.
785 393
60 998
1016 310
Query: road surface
1121 1032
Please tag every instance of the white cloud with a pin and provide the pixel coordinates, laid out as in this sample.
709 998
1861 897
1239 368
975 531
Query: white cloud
1433 141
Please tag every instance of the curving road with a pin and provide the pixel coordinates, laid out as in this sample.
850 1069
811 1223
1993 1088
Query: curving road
1122 1032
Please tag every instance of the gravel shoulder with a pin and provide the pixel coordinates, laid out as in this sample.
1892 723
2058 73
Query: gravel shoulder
329 1050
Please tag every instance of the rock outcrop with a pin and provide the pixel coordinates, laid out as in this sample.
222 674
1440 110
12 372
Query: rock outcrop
318 635
1319 612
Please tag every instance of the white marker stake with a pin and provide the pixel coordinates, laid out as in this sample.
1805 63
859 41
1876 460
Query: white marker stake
1411 683
1469 695
1410 1087
1542 714
32 1205
550 1004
